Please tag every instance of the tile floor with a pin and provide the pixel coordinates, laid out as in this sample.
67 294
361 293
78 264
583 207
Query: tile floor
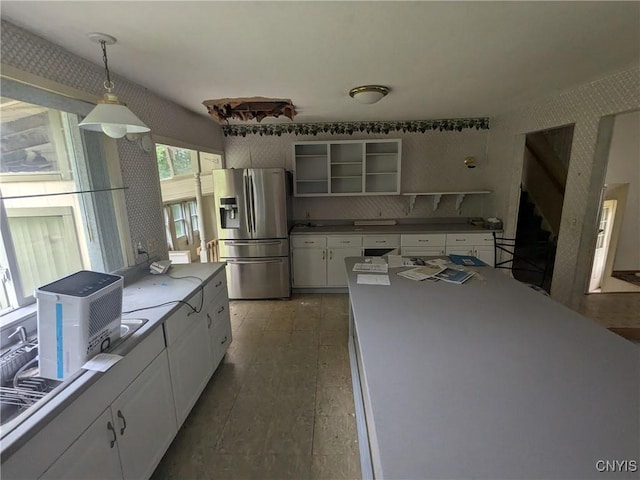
280 405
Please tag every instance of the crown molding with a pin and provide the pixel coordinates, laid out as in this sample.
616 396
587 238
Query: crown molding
349 128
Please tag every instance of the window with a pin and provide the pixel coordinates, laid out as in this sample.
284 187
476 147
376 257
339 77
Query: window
48 229
175 161
181 223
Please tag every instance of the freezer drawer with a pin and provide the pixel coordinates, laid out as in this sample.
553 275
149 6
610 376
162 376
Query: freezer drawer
277 247
249 278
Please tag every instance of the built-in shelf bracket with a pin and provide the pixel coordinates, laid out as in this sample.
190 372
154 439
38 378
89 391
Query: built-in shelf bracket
437 196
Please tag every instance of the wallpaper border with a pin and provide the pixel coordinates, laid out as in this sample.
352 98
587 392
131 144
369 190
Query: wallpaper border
349 128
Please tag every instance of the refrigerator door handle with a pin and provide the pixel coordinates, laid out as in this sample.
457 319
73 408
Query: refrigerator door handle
276 260
247 196
253 205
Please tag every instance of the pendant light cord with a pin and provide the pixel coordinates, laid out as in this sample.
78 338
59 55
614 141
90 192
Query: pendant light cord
108 84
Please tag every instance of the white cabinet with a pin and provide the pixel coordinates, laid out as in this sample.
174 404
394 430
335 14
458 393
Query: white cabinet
145 420
219 324
318 261
94 453
378 245
130 437
477 244
348 167
338 248
423 244
309 261
191 363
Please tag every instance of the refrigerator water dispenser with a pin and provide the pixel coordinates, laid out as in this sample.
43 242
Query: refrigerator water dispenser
229 212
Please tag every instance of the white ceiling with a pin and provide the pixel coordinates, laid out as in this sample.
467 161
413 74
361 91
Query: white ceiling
440 59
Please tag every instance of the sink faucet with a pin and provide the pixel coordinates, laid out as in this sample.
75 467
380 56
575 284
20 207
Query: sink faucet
22 333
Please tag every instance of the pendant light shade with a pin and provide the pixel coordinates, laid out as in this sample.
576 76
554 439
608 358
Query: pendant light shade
368 94
113 118
110 116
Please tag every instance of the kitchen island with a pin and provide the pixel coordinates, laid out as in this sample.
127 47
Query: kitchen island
488 379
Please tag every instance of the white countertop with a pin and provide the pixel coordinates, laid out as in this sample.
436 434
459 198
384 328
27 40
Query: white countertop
148 291
491 379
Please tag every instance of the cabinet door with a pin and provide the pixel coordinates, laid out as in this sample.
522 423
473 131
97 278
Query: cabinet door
309 267
422 251
191 366
94 453
219 323
486 254
336 270
145 420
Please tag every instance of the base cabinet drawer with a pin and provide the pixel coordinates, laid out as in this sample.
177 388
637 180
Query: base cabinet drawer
422 251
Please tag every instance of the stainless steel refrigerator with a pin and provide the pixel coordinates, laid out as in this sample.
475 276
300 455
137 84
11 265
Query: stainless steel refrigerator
251 215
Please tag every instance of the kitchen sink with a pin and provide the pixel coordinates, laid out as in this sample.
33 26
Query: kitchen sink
22 391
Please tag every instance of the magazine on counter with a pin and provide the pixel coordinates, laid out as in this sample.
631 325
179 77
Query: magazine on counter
453 276
468 260
421 273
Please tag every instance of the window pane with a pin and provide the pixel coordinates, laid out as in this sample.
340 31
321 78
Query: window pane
180 230
46 249
176 211
31 141
174 161
162 157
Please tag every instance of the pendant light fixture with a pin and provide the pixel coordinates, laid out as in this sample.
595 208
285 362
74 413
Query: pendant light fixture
110 116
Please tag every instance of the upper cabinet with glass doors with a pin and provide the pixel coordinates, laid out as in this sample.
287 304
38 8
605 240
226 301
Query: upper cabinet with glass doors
349 167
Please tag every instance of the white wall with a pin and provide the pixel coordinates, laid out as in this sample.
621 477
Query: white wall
585 106
624 167
431 161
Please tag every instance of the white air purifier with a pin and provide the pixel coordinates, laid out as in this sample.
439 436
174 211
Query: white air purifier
78 316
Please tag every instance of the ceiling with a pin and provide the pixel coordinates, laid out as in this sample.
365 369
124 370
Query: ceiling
440 59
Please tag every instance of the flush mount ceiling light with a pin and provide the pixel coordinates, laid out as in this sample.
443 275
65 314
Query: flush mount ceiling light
110 116
368 94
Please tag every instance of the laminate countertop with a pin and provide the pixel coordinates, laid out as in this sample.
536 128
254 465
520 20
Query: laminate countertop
418 228
490 379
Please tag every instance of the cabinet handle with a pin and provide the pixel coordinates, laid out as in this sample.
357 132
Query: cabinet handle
330 254
381 241
110 427
323 255
221 310
460 239
224 341
219 283
124 422
209 321
345 241
422 240
309 241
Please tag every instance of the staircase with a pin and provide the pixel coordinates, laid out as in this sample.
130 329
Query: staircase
535 246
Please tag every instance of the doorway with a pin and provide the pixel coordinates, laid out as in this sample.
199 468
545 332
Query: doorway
544 177
617 263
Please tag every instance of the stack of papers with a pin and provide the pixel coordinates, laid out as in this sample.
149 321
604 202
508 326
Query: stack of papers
371 267
365 279
422 273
